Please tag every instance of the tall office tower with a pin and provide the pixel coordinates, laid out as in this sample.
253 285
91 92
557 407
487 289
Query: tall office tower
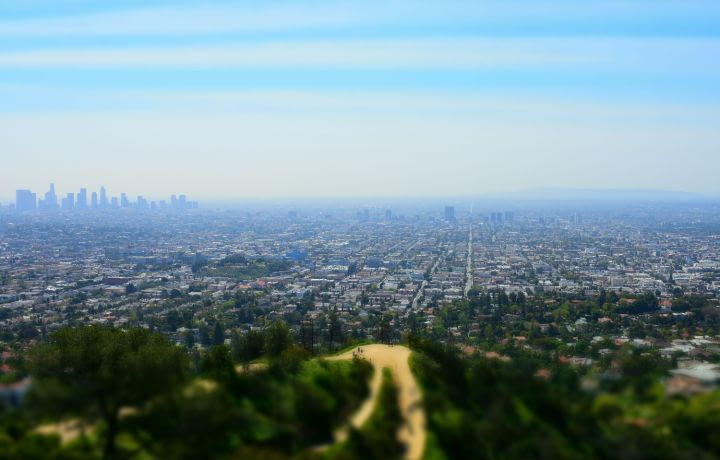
50 200
142 202
124 203
94 200
69 201
449 212
173 202
388 215
25 200
163 204
114 202
81 202
103 197
182 201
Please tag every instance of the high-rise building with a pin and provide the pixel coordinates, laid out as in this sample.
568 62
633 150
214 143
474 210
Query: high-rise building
69 201
25 200
103 197
49 200
114 202
182 202
388 215
81 201
94 200
496 217
449 212
124 203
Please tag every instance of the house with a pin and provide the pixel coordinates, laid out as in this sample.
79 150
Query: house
693 377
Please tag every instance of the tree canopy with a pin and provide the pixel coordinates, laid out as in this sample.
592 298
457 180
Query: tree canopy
97 370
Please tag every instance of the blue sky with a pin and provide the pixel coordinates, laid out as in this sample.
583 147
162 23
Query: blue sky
329 98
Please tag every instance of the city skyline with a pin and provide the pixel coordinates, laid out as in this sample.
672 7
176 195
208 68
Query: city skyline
27 200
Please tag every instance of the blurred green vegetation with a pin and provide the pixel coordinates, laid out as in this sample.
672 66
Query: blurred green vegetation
142 397
495 409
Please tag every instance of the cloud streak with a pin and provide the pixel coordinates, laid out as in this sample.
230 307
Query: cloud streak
449 53
676 16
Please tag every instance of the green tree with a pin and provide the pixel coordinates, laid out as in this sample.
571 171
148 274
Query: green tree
248 346
335 333
218 335
277 338
99 370
218 364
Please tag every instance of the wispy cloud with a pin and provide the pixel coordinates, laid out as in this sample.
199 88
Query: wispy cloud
403 53
684 55
668 16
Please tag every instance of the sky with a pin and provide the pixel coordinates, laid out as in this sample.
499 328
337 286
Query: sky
319 98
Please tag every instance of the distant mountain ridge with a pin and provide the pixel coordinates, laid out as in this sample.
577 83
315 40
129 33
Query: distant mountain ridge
563 194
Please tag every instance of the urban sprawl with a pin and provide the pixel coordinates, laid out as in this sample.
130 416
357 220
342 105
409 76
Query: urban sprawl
583 283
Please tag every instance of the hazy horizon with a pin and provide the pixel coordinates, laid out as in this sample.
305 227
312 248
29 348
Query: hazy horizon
524 196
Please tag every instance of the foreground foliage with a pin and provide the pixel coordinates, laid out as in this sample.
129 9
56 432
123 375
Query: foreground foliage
487 408
141 398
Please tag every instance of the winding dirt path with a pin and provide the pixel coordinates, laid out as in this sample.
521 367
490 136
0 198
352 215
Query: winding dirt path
413 432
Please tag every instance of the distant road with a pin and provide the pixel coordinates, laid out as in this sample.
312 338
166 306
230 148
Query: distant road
421 289
413 432
468 270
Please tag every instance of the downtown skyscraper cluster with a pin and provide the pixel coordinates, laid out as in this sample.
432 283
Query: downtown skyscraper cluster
27 200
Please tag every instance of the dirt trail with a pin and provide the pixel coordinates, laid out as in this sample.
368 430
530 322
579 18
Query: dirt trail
68 430
413 431
250 368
